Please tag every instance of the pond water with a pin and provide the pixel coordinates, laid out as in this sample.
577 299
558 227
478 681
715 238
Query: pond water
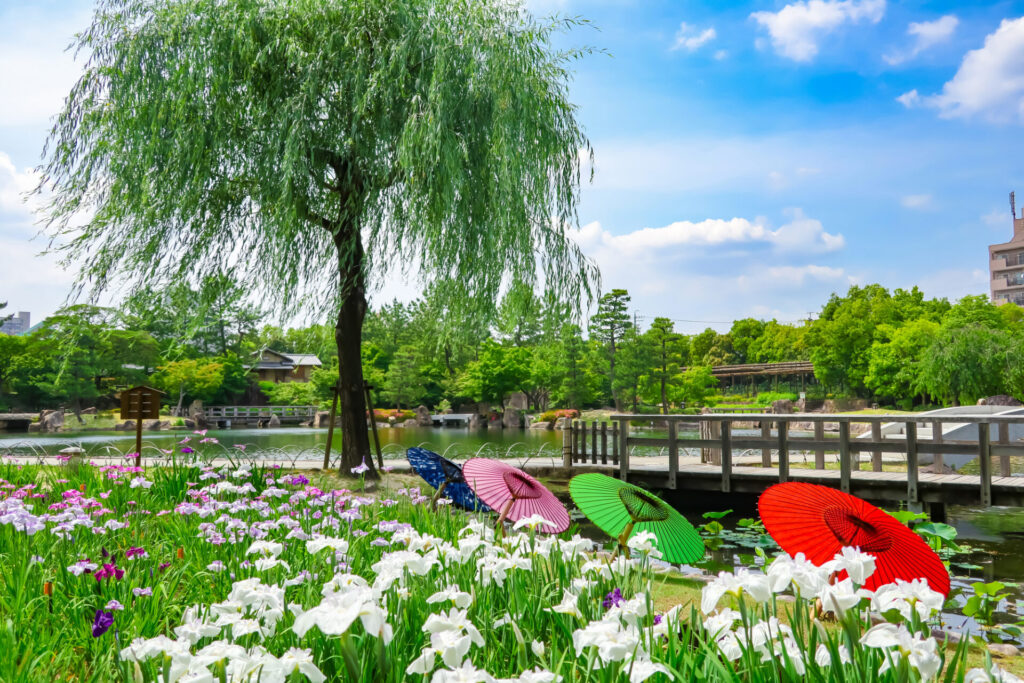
302 442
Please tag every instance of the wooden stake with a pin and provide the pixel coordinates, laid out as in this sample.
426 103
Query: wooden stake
373 425
138 440
330 425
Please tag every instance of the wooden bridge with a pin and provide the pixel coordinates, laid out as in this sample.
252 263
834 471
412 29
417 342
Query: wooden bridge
747 453
230 416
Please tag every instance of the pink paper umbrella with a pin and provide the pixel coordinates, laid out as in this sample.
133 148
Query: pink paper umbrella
514 494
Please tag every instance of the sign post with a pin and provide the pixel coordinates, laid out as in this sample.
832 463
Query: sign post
140 403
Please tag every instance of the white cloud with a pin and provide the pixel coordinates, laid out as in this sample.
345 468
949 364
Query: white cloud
691 38
926 34
13 186
721 54
798 274
797 28
916 201
910 99
990 81
800 234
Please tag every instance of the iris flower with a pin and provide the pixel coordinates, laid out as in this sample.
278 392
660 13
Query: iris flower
102 623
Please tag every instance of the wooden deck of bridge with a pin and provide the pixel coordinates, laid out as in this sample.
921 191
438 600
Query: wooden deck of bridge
993 486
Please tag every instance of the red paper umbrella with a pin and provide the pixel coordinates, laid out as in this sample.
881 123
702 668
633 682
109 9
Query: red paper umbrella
819 521
514 493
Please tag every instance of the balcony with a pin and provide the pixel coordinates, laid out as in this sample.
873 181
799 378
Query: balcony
1000 262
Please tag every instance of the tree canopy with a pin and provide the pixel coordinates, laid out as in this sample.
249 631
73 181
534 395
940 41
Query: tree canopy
309 148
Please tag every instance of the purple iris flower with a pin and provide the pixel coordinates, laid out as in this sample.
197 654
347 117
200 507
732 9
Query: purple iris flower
186 450
102 623
613 599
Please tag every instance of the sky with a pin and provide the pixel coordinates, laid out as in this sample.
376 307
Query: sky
750 157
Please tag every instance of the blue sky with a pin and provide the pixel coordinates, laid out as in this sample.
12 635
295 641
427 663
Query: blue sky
750 157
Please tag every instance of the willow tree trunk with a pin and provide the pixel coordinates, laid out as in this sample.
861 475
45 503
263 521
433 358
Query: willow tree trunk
348 333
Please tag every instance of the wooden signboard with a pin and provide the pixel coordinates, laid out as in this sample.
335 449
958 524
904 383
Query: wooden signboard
140 403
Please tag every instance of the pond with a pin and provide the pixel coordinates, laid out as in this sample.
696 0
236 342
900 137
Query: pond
303 443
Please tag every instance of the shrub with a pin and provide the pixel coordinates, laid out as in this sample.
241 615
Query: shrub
552 415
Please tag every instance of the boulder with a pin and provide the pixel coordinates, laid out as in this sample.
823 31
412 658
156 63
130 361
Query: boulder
1000 400
474 421
782 407
189 423
512 419
52 421
34 428
423 418
274 421
411 422
562 423
322 419
1003 650
542 424
517 402
152 426
89 411
126 426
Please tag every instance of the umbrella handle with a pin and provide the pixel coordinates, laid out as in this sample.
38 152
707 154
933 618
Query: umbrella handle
437 495
624 538
500 527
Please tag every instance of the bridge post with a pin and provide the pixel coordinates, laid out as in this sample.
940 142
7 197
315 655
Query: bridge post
937 464
604 443
819 453
615 443
985 463
876 455
845 464
624 450
912 494
673 453
783 450
593 442
567 444
1004 459
766 453
726 456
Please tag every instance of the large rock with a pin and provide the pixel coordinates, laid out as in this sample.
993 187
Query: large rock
782 407
126 426
411 422
89 411
152 425
423 418
517 401
189 423
474 421
274 421
512 418
323 419
34 428
1000 400
52 421
541 424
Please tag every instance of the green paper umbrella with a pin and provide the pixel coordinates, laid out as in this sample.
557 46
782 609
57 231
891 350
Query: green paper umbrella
621 510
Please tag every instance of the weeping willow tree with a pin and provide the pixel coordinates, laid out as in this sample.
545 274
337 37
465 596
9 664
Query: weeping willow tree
314 148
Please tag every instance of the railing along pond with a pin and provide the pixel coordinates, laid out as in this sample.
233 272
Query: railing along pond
601 443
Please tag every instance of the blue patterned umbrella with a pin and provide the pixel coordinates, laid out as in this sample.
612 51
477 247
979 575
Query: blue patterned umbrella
445 476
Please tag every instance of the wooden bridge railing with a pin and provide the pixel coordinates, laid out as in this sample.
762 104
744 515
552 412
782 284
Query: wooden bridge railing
719 443
245 412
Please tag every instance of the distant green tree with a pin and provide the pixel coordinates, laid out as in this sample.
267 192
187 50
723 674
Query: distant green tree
403 384
669 351
744 334
696 385
194 378
500 371
966 363
575 387
894 368
608 325
519 315
312 144
636 356
701 345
